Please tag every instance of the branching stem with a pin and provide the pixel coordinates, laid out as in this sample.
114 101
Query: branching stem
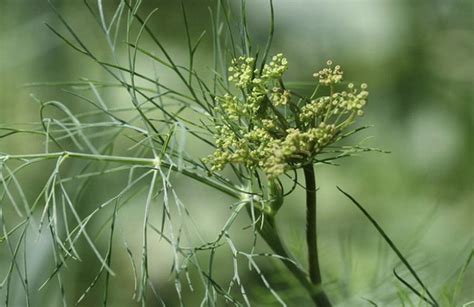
124 160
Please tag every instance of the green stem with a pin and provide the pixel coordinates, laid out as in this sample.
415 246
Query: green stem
157 163
311 234
270 234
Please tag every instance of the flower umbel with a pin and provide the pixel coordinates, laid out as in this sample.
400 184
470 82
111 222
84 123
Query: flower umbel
329 75
268 127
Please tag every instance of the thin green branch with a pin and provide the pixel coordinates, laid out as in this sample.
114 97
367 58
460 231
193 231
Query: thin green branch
392 245
125 160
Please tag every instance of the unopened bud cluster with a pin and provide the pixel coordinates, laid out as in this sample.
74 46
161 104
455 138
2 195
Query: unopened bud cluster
266 127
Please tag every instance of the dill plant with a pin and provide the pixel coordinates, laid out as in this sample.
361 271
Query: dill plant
256 126
271 129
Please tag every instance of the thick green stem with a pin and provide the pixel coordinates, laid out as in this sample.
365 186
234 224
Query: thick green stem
270 234
311 235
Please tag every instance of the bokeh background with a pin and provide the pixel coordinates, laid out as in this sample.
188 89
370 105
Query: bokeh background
416 56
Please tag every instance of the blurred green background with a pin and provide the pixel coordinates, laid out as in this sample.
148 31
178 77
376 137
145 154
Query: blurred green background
416 56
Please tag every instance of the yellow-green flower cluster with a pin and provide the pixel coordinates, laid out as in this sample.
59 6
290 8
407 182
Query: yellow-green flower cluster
264 128
329 75
258 148
316 108
353 99
276 68
350 101
241 71
303 144
256 85
278 97
255 148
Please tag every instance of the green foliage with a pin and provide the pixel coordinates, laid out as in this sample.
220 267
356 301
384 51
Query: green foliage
261 127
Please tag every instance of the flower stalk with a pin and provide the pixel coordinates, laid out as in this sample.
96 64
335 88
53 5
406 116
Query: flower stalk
268 230
311 234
